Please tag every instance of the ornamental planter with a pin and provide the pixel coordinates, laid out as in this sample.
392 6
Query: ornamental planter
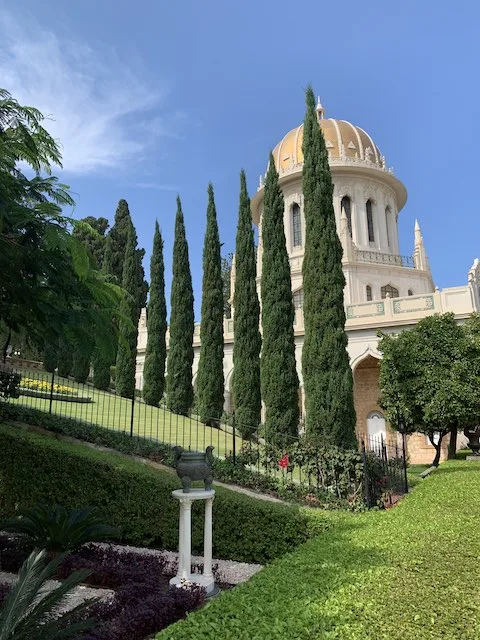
473 435
194 465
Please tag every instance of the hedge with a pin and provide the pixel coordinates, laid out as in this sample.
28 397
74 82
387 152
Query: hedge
403 574
137 498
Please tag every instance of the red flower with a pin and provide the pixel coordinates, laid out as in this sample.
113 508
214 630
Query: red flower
284 461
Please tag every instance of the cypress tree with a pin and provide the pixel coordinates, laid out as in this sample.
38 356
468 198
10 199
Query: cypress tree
246 319
279 379
65 358
180 352
154 370
210 381
328 381
116 242
81 365
128 326
101 370
50 355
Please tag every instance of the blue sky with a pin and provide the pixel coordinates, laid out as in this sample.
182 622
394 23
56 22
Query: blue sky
154 97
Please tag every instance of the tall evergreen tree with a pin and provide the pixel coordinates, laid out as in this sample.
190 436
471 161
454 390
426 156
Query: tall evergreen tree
210 381
279 379
115 248
128 326
328 380
65 358
180 352
101 370
95 243
50 354
116 242
246 319
81 365
154 370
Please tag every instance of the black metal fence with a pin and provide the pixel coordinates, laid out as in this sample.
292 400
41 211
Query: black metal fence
389 456
252 448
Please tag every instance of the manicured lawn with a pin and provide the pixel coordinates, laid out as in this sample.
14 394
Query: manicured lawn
408 573
114 412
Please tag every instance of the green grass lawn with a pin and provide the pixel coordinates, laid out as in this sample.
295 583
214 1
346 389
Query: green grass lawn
409 573
114 412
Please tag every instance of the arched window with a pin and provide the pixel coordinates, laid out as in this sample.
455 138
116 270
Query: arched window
346 206
296 225
298 299
368 290
410 292
371 232
387 224
391 290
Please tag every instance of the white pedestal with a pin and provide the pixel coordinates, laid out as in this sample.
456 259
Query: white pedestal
205 580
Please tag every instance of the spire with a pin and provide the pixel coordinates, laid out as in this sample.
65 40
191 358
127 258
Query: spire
419 254
320 109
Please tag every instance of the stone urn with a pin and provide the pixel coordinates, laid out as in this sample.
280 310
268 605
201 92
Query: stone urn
473 435
194 465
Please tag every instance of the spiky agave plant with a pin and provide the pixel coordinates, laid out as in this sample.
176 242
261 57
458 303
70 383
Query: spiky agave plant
56 529
31 610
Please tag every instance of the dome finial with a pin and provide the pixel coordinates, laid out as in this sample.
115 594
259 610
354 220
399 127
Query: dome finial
320 109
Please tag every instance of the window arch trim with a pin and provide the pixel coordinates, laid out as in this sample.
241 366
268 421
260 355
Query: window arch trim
296 223
346 205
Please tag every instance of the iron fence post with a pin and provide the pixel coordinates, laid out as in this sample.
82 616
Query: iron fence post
52 384
366 487
404 448
234 449
132 414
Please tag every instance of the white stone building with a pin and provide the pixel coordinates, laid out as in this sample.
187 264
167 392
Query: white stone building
384 289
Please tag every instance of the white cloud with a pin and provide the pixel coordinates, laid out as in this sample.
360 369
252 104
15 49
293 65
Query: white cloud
97 107
154 185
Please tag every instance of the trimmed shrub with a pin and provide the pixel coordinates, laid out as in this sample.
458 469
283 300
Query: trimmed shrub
138 499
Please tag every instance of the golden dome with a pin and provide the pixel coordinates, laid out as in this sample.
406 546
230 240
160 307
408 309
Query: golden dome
344 142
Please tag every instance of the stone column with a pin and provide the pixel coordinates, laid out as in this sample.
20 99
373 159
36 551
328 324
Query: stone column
185 551
185 540
207 539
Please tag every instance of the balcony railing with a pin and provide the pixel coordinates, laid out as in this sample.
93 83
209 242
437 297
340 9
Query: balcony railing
377 257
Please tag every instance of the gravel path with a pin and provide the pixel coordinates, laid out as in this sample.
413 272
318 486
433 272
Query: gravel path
73 599
228 571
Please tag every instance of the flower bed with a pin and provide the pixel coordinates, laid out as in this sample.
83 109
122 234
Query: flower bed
44 385
143 602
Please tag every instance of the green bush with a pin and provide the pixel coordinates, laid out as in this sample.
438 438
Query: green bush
138 499
402 574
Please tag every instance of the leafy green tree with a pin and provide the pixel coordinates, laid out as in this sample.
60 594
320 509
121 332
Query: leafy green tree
279 379
91 232
127 346
327 376
180 353
156 352
430 375
48 280
210 381
246 322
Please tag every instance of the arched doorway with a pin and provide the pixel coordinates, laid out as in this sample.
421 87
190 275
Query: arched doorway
366 395
376 429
